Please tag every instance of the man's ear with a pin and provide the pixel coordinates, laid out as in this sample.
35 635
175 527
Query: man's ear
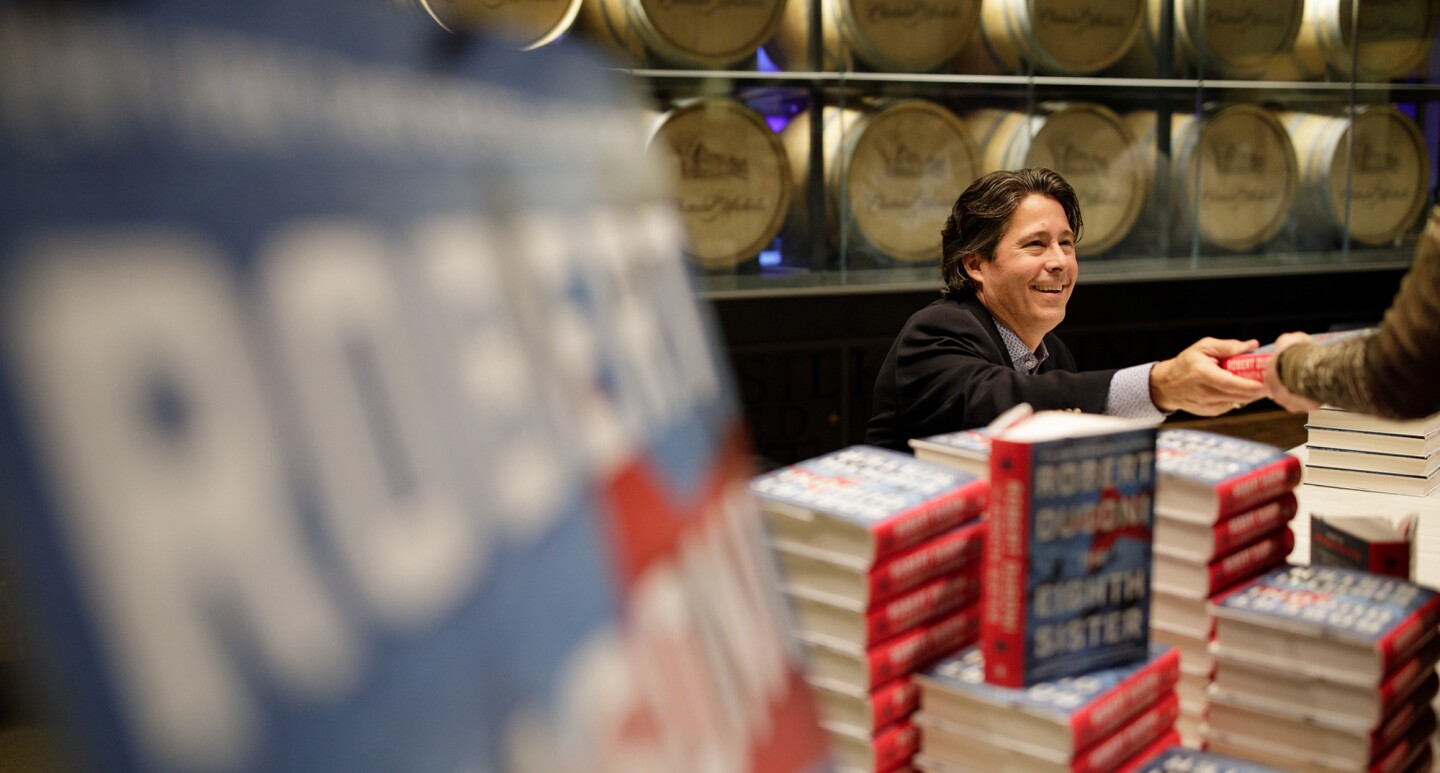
974 265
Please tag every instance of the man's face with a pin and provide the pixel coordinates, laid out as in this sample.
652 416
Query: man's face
1030 280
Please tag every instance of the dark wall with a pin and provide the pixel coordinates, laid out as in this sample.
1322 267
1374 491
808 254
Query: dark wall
805 365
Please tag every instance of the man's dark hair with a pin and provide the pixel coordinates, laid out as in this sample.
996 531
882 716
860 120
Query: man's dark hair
982 213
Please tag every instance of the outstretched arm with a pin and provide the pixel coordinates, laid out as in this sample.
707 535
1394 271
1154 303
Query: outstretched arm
1193 380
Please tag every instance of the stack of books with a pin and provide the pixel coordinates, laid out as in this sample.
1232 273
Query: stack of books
1345 449
880 557
1178 759
1326 670
1222 512
1098 721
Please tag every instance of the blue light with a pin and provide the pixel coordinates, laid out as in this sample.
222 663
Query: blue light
770 258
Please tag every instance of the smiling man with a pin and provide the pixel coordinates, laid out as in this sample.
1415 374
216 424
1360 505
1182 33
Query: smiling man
1008 262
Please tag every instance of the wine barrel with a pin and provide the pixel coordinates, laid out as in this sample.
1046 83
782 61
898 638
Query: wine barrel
530 23
1233 173
731 178
893 169
884 35
1061 37
701 34
1378 188
1088 144
1388 38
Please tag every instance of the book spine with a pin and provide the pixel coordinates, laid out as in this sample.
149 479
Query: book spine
949 552
1135 735
928 602
1408 635
1405 751
1258 485
895 745
1250 561
1331 545
1244 528
1007 565
911 651
915 525
1407 678
1141 689
894 701
1400 723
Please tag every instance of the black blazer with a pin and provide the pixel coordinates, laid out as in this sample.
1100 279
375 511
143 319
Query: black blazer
949 370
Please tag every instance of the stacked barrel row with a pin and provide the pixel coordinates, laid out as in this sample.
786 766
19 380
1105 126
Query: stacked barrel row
1239 175
1271 39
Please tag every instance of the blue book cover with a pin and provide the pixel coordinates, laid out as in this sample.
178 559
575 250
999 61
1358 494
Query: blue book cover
355 406
1206 476
1178 759
1068 555
1383 615
889 500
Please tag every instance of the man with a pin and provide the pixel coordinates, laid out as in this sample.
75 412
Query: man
1008 262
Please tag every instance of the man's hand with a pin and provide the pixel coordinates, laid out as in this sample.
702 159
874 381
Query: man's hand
1193 381
1284 397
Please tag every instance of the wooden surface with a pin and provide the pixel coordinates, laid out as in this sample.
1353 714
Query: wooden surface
1262 423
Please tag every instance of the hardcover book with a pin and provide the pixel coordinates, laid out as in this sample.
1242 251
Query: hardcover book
1178 759
848 670
968 748
1369 461
867 712
1373 442
1340 746
1412 754
1191 580
845 581
1203 542
1336 624
1331 417
1054 719
926 764
968 450
1067 573
887 750
1370 543
1205 476
1341 704
1382 482
1252 364
861 629
1194 648
865 502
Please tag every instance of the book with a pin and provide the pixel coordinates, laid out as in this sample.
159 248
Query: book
1178 759
1252 364
1335 624
1331 417
1181 614
1374 442
846 670
1339 746
1205 476
1191 580
1369 461
1370 543
1055 719
1340 704
968 748
1411 753
968 450
865 502
1194 649
1067 557
1203 542
860 629
841 579
885 751
867 711
1383 482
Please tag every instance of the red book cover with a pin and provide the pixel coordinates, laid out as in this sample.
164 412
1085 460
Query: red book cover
1244 528
928 519
1366 543
1206 476
1141 689
1406 637
928 602
895 700
1132 738
1252 364
1415 743
942 555
1401 684
1416 711
895 745
908 652
1250 561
